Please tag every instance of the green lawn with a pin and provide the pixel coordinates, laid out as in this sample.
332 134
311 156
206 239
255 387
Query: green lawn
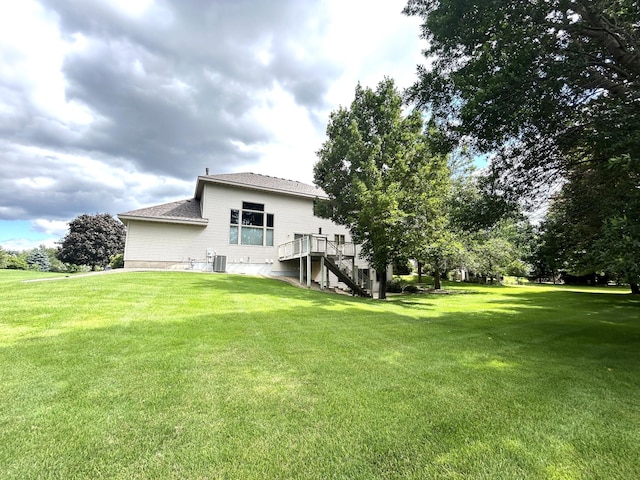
203 376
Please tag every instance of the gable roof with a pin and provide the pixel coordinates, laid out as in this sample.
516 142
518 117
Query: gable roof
189 212
183 211
266 183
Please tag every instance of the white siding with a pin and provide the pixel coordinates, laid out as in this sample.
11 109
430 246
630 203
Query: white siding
291 215
171 245
162 242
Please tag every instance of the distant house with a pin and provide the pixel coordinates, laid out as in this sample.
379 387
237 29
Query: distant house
247 223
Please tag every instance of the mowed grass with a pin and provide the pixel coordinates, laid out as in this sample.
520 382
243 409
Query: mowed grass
201 376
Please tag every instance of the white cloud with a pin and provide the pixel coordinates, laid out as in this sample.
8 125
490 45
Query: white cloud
55 228
22 244
35 64
130 8
109 106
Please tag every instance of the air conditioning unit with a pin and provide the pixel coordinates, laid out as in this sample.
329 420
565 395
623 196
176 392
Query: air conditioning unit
220 263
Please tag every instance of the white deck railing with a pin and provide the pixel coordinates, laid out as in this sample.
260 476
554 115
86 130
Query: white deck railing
314 245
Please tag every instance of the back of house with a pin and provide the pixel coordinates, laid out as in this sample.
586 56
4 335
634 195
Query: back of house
245 223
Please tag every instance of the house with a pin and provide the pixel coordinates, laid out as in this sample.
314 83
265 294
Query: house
247 223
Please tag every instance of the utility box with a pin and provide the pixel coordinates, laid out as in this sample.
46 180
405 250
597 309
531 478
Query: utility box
220 263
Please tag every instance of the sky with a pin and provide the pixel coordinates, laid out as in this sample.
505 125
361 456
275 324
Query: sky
108 106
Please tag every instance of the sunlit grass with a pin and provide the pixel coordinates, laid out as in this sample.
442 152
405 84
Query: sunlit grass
184 375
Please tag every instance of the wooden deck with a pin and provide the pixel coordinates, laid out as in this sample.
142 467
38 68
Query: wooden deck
315 246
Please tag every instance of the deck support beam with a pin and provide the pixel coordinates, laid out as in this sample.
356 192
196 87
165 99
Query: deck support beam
301 269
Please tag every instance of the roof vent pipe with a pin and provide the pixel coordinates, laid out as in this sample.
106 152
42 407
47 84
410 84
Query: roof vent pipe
206 171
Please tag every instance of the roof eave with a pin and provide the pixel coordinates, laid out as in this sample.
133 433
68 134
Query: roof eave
202 180
183 221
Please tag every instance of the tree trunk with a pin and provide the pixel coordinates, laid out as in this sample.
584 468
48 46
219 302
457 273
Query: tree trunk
382 290
419 272
437 285
635 288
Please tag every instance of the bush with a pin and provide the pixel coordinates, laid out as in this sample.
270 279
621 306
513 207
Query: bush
72 268
57 265
395 286
401 286
117 261
17 263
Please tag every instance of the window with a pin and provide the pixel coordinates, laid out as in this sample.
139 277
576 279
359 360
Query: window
252 218
247 226
258 207
339 239
252 236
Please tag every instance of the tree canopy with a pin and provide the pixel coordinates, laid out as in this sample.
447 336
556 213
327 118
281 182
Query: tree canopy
594 224
547 84
553 89
92 240
382 179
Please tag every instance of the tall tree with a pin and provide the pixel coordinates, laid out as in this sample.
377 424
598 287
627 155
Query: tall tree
548 85
92 240
39 259
3 258
594 222
376 166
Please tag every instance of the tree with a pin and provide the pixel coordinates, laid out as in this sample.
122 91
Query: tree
441 253
376 167
554 89
4 256
548 85
594 222
548 254
502 249
16 261
39 259
56 264
92 240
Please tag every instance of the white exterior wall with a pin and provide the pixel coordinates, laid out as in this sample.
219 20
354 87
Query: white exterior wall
161 245
178 246
291 215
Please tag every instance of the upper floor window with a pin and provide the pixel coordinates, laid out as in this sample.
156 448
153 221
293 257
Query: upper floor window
251 225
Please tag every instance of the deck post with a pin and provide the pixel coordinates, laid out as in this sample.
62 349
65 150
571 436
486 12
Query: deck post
353 270
301 268
309 269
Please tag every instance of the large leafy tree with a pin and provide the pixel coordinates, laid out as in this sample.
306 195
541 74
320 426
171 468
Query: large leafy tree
547 84
594 222
380 175
92 240
553 87
495 235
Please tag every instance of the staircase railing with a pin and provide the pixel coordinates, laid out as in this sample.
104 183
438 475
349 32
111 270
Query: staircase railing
345 278
314 245
336 258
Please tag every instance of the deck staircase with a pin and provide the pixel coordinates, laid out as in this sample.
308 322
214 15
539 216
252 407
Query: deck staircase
345 278
334 256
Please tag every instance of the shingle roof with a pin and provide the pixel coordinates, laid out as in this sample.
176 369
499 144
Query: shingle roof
188 211
263 182
183 211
